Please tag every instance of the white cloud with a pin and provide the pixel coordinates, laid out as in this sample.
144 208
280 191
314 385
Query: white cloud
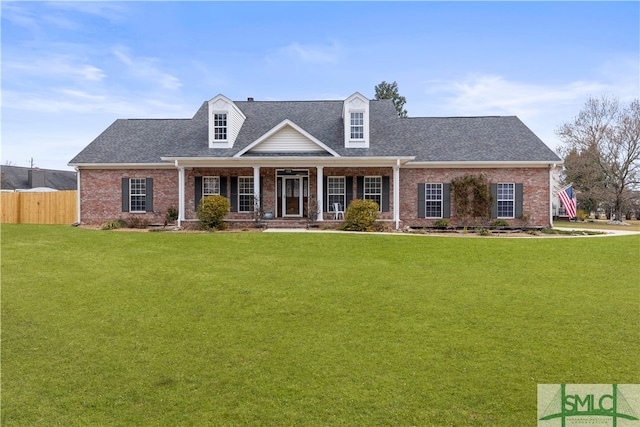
146 68
111 11
312 54
54 67
495 95
541 106
69 100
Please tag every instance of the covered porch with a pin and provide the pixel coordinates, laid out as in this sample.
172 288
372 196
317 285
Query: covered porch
289 189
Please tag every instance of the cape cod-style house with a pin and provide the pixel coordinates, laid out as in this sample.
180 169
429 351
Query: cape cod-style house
300 158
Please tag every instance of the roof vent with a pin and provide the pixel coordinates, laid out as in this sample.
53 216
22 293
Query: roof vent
250 99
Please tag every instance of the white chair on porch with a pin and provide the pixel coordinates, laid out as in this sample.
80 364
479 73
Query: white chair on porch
337 211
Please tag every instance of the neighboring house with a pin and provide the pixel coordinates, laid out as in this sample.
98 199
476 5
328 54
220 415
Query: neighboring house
292 155
17 178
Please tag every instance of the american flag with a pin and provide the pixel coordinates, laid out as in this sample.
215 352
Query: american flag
568 201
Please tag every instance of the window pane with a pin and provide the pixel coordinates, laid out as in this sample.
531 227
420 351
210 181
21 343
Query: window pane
137 194
433 200
506 200
357 125
210 185
220 126
245 194
335 192
373 189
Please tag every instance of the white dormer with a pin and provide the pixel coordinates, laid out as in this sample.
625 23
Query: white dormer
225 121
355 116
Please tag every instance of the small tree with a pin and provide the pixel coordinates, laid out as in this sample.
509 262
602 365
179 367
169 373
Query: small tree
360 215
212 211
607 136
390 91
471 198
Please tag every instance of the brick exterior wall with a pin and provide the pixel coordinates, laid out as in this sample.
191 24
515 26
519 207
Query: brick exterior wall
535 192
101 190
101 194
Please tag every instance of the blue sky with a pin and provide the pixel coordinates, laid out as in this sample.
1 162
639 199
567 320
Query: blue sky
69 69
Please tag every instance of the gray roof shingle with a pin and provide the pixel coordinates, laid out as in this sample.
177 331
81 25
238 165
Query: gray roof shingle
17 178
428 139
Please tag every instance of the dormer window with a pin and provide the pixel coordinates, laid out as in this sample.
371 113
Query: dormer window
225 121
355 119
357 125
220 126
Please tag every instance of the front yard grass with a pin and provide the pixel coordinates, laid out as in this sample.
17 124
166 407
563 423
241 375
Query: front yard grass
116 328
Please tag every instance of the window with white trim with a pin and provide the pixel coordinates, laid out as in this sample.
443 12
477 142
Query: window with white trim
433 200
220 126
373 189
357 125
210 185
506 200
245 194
137 195
335 191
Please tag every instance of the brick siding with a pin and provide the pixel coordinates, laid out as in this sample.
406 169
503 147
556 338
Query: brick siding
101 190
535 192
101 194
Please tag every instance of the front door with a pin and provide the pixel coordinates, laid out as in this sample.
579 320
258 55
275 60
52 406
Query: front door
292 201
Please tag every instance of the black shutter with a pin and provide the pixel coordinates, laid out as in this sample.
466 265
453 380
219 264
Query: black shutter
360 187
325 194
446 200
261 190
494 200
234 194
148 202
348 191
223 186
125 194
198 192
386 187
519 197
421 201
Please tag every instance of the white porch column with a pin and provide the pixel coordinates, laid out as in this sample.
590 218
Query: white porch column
256 188
320 179
181 195
396 193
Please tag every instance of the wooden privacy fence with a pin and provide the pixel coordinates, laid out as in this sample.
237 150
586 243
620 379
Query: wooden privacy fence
55 207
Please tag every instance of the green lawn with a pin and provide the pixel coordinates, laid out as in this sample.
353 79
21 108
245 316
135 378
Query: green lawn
119 328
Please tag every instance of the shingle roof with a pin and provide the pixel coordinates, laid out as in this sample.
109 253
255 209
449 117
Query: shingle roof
17 178
428 139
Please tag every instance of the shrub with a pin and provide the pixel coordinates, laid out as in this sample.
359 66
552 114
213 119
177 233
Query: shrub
483 232
135 222
500 223
212 211
442 223
110 225
581 215
360 215
171 215
472 199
